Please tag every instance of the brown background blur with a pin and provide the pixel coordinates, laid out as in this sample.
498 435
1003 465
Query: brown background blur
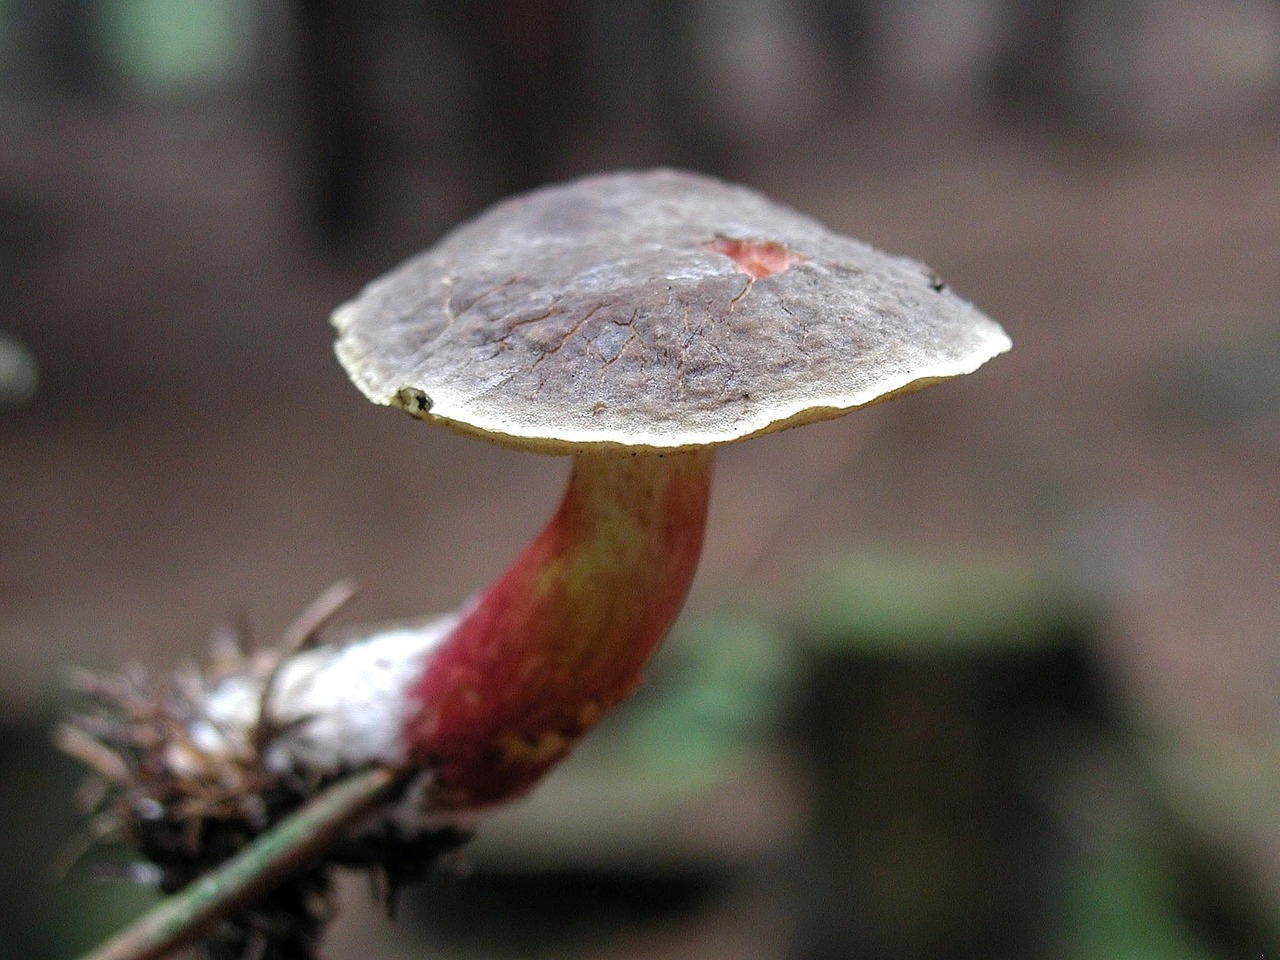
187 189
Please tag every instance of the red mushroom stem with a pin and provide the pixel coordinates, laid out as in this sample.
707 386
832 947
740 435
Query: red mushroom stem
565 633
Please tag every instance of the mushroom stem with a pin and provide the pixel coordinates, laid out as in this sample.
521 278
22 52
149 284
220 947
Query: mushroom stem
564 634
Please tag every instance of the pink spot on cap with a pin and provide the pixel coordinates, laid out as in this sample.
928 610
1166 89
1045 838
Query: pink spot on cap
756 258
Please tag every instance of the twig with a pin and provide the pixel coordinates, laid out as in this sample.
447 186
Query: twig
299 635
94 754
290 846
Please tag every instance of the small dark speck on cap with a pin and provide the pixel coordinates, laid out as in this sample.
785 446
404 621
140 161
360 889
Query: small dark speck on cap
412 400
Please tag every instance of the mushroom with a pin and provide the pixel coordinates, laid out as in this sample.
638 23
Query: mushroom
634 321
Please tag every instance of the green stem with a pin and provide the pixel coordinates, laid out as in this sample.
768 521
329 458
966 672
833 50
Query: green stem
290 846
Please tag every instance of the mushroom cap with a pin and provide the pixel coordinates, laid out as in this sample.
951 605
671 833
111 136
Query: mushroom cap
654 310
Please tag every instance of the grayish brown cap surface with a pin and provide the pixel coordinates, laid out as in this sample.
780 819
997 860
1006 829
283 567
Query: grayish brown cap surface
621 311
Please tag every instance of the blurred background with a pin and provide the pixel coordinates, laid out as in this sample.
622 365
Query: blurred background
990 671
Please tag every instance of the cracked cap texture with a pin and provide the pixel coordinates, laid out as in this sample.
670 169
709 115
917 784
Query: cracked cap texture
656 310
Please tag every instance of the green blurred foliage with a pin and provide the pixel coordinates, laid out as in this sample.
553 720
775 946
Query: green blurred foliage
49 908
890 602
978 790
173 46
1228 384
962 718
1118 903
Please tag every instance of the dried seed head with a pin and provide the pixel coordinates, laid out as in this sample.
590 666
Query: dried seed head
187 800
